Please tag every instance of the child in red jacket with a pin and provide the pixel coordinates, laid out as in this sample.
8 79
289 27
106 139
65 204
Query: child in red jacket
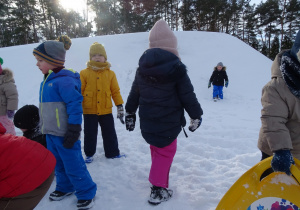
26 171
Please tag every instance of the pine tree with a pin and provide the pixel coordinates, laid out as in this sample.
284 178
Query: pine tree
274 48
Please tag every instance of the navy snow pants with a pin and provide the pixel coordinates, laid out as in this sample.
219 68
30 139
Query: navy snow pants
109 136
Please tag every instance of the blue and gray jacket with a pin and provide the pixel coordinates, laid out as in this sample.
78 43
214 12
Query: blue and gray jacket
60 101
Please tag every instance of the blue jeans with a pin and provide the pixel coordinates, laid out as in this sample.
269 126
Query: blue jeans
218 91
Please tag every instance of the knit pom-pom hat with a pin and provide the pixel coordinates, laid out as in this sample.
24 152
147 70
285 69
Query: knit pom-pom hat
97 48
54 51
295 51
161 36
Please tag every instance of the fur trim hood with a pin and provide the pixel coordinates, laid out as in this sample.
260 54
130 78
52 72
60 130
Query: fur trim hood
223 69
275 69
6 76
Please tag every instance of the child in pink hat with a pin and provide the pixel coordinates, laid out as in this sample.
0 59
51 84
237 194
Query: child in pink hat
162 91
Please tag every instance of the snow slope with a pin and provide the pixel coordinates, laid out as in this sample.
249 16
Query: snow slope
209 161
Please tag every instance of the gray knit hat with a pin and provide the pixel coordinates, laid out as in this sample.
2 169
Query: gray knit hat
220 64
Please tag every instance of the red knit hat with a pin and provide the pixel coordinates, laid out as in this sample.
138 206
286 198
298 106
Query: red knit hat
161 36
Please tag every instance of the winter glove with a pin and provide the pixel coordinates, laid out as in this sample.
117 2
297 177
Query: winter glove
194 124
120 114
209 84
130 121
72 135
282 161
10 113
226 83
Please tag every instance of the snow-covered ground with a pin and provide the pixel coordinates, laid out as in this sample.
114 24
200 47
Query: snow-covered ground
209 161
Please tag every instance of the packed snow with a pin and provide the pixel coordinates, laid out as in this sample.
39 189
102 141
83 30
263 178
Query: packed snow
208 162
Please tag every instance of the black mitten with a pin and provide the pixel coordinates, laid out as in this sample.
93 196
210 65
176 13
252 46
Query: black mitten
130 121
120 113
72 135
282 161
194 124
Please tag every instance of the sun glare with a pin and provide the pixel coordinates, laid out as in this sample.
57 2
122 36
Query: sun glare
76 5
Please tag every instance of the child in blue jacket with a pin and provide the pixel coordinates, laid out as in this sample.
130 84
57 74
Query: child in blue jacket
61 118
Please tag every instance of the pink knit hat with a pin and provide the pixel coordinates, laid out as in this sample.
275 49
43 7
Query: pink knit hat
161 36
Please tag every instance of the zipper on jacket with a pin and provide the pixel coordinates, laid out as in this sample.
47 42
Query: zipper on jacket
41 111
57 118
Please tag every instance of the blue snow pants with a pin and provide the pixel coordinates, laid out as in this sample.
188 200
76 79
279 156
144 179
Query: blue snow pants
70 170
218 91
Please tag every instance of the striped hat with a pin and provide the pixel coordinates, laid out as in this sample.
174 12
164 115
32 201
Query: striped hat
54 51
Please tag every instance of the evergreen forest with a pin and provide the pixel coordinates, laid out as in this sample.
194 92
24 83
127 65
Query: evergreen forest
268 27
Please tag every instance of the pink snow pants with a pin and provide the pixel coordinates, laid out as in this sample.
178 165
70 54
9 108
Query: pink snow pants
162 159
8 124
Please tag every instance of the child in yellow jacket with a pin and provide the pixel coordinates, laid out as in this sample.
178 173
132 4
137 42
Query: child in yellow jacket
98 86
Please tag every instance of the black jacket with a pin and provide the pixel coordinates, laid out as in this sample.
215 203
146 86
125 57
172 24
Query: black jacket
36 135
162 90
218 77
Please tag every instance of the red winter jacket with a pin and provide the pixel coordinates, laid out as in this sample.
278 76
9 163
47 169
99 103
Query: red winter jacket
24 164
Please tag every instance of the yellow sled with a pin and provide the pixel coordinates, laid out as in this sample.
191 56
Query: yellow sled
273 192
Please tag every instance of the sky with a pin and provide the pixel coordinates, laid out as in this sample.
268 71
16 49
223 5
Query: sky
208 162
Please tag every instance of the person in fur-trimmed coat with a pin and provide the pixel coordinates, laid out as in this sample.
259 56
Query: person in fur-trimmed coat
280 116
162 91
8 97
217 78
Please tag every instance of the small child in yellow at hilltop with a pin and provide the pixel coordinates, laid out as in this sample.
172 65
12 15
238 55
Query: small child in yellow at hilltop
98 86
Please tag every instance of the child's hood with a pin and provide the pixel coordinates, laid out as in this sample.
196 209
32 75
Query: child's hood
6 76
157 62
275 69
64 73
223 69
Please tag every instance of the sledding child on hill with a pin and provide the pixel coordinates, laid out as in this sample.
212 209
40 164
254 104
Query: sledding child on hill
61 118
280 116
98 86
9 98
217 79
27 119
26 172
162 90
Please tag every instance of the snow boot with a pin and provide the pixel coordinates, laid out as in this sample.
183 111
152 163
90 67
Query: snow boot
215 99
89 159
119 156
57 195
159 194
85 204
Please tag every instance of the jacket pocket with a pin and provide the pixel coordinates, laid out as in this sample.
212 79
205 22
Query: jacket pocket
108 100
3 100
87 99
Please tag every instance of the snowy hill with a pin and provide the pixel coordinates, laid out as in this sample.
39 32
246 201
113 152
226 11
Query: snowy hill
209 161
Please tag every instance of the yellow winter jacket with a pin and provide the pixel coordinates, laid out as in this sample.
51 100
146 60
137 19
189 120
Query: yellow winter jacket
98 85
